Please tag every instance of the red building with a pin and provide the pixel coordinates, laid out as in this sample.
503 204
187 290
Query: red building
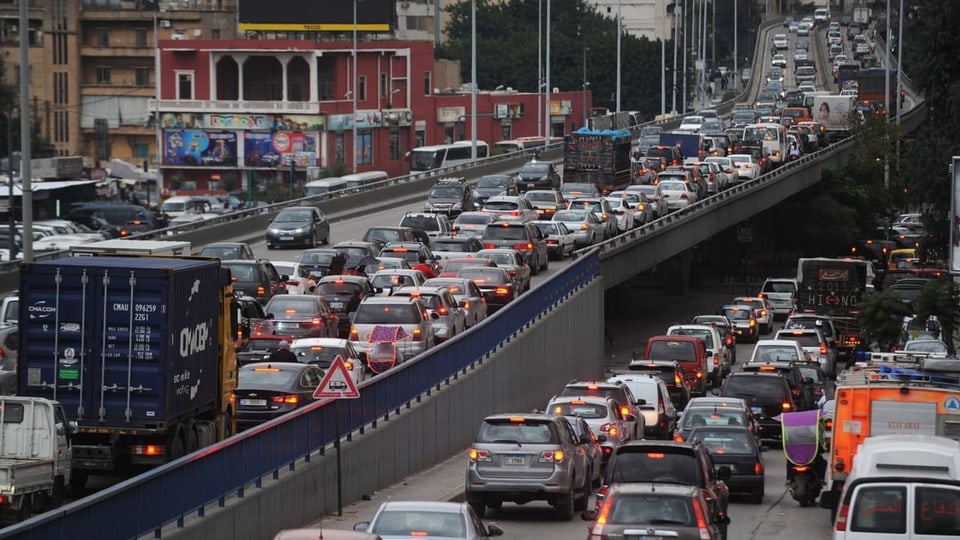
243 110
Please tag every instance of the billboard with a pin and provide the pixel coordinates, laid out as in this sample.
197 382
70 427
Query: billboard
199 148
955 211
181 120
272 122
365 120
317 15
279 148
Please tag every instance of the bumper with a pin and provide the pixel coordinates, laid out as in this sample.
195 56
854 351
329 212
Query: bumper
288 239
407 347
442 331
301 332
744 483
519 489
581 239
742 333
770 430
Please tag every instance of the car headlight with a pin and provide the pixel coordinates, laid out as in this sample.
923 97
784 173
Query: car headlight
458 205
299 230
428 205
274 231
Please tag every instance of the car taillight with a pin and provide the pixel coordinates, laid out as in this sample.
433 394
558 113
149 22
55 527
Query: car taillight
842 514
729 340
417 334
515 213
763 313
702 525
490 246
551 242
684 197
758 468
584 227
823 348
286 400
760 295
354 334
699 374
786 406
261 291
502 291
293 282
551 456
148 450
624 411
716 359
477 455
527 246
678 438
609 428
442 310
795 391
513 273
800 468
316 322
753 322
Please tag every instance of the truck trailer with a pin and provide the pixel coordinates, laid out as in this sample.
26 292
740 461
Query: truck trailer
139 351
599 157
834 287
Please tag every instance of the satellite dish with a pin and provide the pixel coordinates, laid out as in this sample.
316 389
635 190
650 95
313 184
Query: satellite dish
197 32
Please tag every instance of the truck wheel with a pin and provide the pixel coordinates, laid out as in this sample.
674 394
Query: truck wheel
56 494
190 440
174 447
228 421
78 482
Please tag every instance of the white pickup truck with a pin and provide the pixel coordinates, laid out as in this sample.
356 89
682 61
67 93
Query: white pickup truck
35 455
9 310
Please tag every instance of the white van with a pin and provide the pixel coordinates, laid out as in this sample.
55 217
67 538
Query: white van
903 487
176 206
360 181
326 187
428 158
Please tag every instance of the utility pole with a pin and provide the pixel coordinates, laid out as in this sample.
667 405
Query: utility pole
26 197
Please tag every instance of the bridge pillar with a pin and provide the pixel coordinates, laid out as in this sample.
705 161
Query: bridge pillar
620 301
675 273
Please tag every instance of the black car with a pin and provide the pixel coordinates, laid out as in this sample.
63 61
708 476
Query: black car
228 250
538 175
129 218
259 349
298 226
322 261
493 185
269 390
767 395
303 316
521 236
252 319
358 248
384 235
344 294
801 391
257 278
735 448
671 373
450 196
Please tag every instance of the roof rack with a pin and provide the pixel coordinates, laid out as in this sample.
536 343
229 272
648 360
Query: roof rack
452 180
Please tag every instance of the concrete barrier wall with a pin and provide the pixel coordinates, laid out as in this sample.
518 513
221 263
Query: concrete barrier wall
522 375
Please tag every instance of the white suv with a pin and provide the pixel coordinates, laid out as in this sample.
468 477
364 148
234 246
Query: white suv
781 293
718 356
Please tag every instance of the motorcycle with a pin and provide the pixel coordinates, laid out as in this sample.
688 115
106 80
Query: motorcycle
801 445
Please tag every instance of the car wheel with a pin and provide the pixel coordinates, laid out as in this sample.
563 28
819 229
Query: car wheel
270 246
534 267
313 240
546 264
564 508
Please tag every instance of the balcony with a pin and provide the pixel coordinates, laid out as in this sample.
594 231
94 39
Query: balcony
121 9
117 51
252 107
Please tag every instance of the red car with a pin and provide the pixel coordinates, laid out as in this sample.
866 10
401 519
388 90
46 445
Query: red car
498 288
689 351
451 267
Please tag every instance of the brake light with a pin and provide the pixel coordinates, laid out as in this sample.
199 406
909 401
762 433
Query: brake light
528 246
753 322
716 360
261 291
501 291
417 334
676 379
293 282
551 456
842 514
148 450
678 438
286 400
786 406
684 197
624 411
442 310
489 246
604 217
354 334
699 374
584 227
702 526
801 468
758 468
760 295
477 455
597 530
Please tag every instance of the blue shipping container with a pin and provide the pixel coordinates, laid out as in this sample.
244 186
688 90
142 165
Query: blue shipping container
121 342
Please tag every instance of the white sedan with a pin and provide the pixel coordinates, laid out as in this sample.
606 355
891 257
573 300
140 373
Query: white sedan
322 351
621 209
678 194
298 277
747 166
691 124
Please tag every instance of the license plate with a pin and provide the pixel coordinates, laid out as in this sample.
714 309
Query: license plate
641 537
286 238
513 460
253 402
757 410
336 305
531 184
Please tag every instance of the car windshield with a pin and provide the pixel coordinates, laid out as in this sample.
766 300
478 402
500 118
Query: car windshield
492 182
712 416
416 523
579 408
291 216
518 430
535 168
725 442
291 308
655 466
505 233
399 313
320 355
672 349
423 223
541 196
316 257
651 509
446 192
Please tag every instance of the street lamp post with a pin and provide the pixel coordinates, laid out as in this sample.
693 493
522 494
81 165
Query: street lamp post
473 79
663 66
356 83
677 10
619 36
26 191
546 103
8 115
539 67
736 73
585 83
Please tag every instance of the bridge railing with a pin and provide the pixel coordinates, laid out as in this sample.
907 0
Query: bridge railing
196 483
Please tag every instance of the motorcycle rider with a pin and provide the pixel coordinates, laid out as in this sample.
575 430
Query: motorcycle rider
794 151
818 465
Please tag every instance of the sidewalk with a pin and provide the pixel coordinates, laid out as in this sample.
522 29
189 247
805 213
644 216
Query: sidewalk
442 482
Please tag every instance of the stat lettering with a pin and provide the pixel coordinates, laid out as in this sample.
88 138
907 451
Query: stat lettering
193 339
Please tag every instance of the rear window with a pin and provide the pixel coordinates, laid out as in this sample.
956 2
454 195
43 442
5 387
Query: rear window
423 223
705 335
447 245
811 324
805 340
811 373
763 388
501 206
776 354
570 215
271 376
713 416
602 391
522 430
419 523
779 287
318 355
651 509
505 233
374 313
547 228
338 289
725 442
656 465
542 196
483 277
455 266
411 256
936 511
669 349
880 509
430 301
391 281
581 410
289 309
316 258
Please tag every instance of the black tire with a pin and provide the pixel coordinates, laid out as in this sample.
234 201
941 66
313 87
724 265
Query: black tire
270 246
56 495
579 505
479 509
313 241
565 509
229 429
546 264
190 443
495 505
78 482
175 447
804 501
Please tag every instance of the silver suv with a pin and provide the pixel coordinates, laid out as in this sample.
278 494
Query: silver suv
446 316
782 295
527 457
399 319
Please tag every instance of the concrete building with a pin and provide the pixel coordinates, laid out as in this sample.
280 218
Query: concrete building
640 18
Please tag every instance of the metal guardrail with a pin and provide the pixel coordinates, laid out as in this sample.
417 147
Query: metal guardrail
205 479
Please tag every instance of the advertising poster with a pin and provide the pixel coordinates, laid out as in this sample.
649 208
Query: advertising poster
955 211
271 122
198 148
365 120
271 149
181 121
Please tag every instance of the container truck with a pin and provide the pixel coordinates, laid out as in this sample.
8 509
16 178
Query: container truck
835 112
139 350
873 88
834 287
599 157
35 452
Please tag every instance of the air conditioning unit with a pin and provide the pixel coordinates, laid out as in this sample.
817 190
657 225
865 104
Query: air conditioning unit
166 23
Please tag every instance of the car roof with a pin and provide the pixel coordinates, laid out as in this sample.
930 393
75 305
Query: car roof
434 290
323 342
346 278
652 488
526 416
596 400
293 366
389 300
404 245
436 506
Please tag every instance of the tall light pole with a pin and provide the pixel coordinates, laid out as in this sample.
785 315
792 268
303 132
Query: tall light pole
473 79
677 10
539 67
899 97
8 114
546 103
585 83
619 35
26 196
736 73
663 66
356 84
685 54
886 92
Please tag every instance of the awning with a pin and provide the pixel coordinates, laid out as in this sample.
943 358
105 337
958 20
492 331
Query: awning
128 171
42 186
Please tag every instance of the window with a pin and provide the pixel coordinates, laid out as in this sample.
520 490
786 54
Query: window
427 83
383 86
184 85
364 147
362 96
103 75
215 33
394 143
880 509
103 37
140 35
416 22
936 511
143 76
141 150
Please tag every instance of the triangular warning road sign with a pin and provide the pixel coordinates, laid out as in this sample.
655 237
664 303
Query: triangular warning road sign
336 383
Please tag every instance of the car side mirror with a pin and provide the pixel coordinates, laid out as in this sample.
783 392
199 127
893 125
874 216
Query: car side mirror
723 473
715 391
493 530
378 290
629 418
284 277
434 315
270 316
602 438
641 401
828 499
361 525
809 380
585 439
588 515
463 303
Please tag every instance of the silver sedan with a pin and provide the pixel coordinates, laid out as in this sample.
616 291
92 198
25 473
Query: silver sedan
411 519
468 296
587 228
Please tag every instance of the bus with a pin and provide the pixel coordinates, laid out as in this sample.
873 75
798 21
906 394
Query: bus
326 187
360 181
519 144
772 137
428 158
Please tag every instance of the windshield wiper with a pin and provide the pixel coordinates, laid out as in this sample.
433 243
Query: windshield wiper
508 441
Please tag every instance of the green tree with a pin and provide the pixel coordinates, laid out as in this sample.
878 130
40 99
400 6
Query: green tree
881 317
940 300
